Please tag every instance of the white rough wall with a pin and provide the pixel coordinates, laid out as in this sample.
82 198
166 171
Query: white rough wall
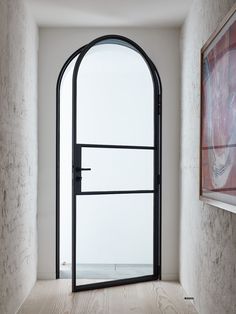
18 154
208 234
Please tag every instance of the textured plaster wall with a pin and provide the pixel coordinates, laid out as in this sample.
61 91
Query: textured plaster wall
18 154
208 234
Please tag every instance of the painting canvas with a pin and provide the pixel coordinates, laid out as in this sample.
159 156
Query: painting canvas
218 116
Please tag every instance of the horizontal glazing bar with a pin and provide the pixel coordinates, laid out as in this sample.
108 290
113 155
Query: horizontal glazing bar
116 146
116 192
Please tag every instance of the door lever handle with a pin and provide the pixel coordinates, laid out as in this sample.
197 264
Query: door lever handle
77 169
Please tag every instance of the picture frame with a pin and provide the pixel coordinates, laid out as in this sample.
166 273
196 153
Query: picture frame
218 116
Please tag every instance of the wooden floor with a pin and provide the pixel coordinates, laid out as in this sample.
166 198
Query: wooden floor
55 297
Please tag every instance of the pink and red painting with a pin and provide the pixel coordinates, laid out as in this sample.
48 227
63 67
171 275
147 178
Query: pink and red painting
218 116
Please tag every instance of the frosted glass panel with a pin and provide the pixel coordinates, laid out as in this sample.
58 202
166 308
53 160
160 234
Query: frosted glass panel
114 237
114 97
117 169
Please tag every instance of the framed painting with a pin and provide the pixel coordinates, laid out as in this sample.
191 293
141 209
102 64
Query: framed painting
218 117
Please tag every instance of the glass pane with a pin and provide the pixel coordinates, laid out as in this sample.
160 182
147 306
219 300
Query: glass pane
117 169
114 97
65 170
114 237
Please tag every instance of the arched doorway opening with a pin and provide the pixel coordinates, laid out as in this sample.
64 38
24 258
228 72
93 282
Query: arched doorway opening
108 166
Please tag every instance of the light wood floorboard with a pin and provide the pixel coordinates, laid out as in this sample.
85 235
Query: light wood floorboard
55 297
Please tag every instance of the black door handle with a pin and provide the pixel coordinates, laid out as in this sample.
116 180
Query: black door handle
77 169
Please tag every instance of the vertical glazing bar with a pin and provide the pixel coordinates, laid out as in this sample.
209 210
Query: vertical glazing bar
155 198
157 174
159 166
74 133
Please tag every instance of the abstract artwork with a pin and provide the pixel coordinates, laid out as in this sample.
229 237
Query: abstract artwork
218 116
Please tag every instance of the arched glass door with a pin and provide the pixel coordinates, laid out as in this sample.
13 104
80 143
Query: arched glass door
116 166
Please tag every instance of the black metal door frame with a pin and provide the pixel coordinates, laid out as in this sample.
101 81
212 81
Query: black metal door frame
77 167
